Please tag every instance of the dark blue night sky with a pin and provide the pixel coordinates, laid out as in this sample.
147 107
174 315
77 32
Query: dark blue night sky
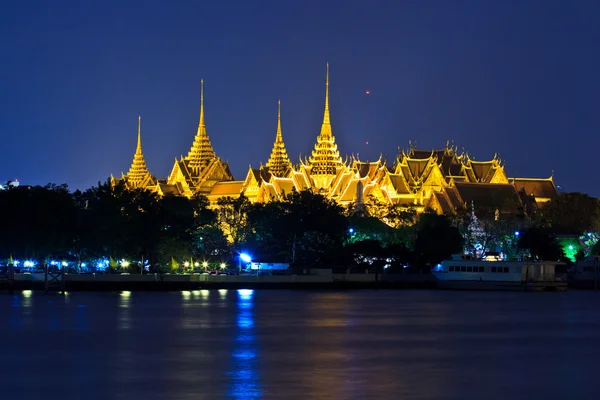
520 78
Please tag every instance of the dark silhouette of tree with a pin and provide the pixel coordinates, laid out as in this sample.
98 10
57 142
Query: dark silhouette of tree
571 213
539 243
436 239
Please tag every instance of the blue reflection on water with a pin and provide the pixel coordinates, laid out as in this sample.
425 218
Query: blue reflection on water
245 382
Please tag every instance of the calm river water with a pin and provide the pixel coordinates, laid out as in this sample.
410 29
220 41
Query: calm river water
300 345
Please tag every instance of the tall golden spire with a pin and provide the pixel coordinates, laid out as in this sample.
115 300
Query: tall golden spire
138 172
201 151
138 150
326 114
279 163
325 158
201 123
279 136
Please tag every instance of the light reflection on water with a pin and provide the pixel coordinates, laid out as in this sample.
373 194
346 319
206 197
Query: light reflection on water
244 377
300 345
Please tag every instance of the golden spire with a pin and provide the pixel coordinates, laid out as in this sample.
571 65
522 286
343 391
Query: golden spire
201 151
138 150
325 158
138 172
201 123
326 114
279 137
279 163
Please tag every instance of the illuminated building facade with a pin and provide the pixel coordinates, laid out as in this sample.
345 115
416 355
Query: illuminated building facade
443 180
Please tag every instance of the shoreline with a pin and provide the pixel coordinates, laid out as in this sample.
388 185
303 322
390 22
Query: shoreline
155 282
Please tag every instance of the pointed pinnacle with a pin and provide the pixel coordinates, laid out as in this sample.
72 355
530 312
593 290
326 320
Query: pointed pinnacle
202 103
326 114
279 136
138 150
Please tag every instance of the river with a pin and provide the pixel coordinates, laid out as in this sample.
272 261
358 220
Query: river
242 344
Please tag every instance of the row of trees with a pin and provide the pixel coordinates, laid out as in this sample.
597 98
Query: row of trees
305 229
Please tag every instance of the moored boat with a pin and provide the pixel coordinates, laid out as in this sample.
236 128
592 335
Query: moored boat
493 273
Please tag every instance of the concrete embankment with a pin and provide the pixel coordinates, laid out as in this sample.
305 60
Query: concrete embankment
114 282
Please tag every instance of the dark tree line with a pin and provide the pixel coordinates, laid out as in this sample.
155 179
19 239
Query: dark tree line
304 229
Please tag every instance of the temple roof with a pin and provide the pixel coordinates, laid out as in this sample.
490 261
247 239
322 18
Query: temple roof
138 173
230 188
503 197
201 151
540 188
399 184
444 202
325 158
279 163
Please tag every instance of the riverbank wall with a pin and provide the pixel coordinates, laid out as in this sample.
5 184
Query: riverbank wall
164 282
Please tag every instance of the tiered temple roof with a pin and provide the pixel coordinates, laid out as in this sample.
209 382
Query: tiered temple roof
201 152
279 163
325 158
201 169
138 175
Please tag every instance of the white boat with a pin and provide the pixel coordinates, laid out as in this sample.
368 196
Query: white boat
586 274
492 273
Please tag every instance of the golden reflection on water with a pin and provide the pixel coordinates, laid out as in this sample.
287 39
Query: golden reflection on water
124 318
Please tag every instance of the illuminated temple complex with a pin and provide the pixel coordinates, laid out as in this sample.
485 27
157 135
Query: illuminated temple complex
445 180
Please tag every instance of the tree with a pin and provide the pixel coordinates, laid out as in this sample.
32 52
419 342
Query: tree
571 213
231 217
539 243
436 239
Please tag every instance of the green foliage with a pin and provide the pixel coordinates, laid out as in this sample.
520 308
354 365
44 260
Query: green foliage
305 228
37 222
571 213
539 243
232 218
436 239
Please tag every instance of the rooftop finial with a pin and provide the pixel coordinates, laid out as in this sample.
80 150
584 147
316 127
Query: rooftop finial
138 150
326 115
279 135
202 102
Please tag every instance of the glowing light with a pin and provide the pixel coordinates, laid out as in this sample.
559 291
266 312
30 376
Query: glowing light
223 265
205 264
83 265
16 262
517 233
570 247
245 294
245 257
27 293
197 264
53 262
125 293
28 263
351 230
367 92
186 294
223 293
186 264
64 264
124 263
204 293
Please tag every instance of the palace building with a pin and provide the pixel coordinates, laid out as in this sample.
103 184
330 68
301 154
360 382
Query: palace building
444 180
